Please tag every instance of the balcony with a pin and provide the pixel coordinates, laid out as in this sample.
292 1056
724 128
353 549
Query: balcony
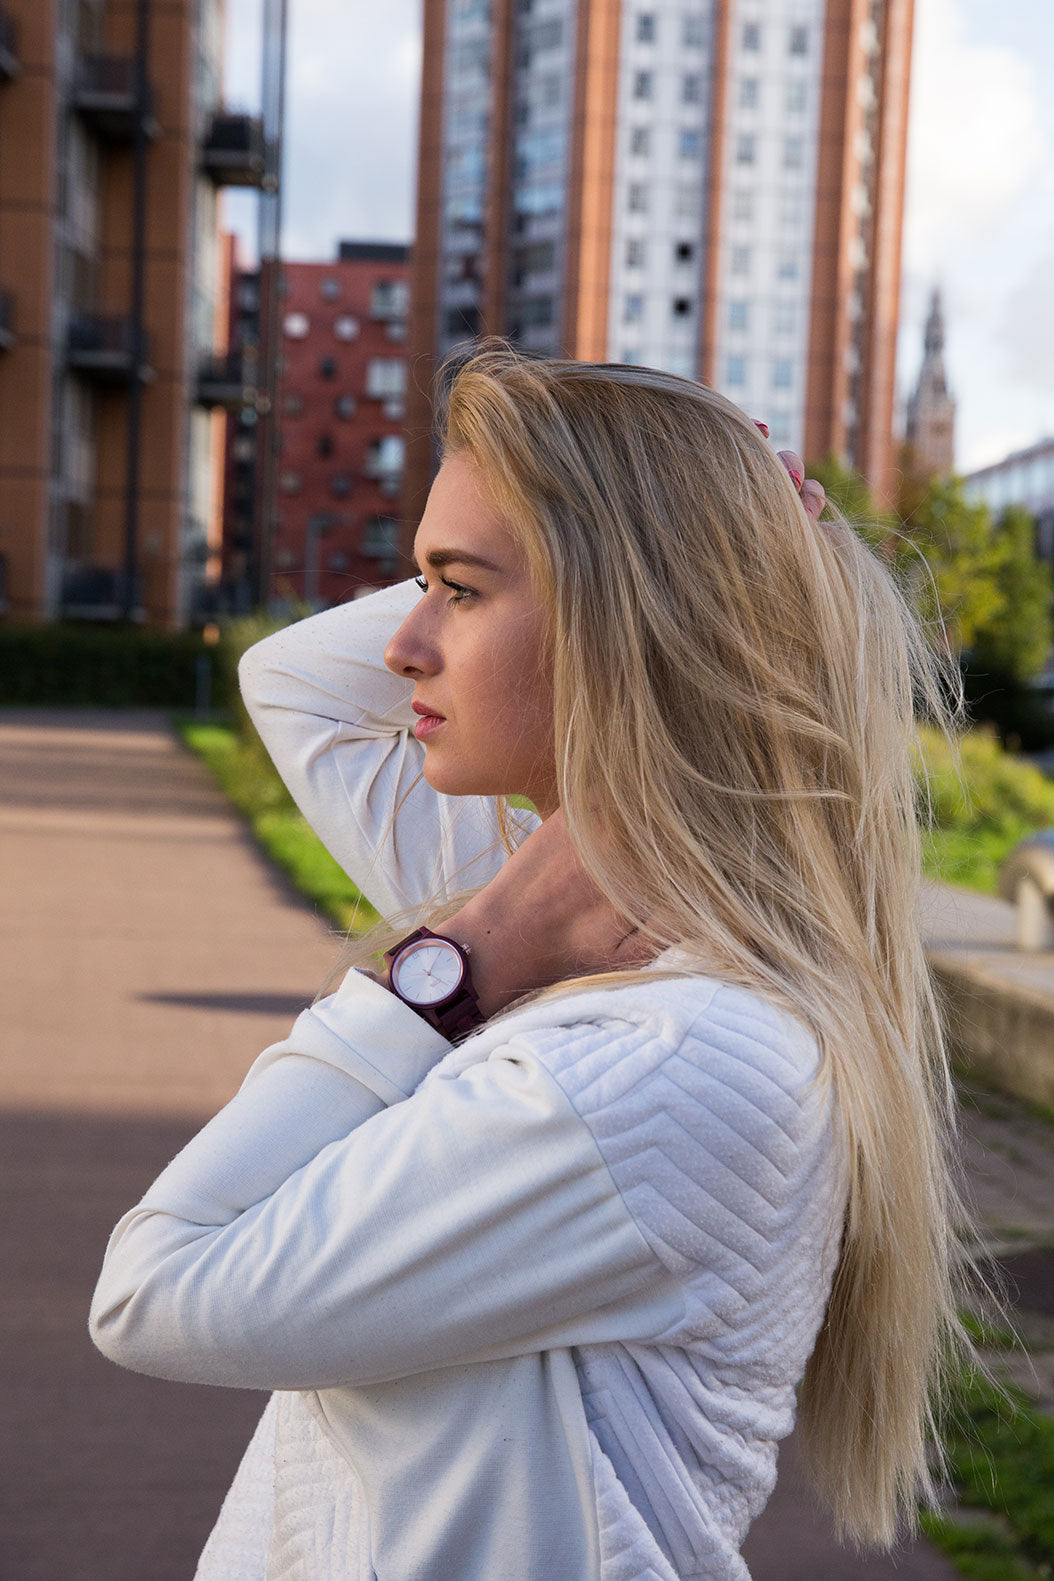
9 62
226 379
234 150
7 321
105 95
103 349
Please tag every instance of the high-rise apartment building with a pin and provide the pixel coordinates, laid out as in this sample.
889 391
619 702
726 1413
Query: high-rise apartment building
341 415
709 186
114 143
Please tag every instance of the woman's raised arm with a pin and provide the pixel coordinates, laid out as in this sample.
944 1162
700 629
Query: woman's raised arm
339 728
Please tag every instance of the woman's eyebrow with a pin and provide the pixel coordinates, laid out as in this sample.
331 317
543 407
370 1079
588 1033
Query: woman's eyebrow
442 557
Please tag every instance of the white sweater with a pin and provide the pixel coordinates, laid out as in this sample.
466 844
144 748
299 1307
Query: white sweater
535 1306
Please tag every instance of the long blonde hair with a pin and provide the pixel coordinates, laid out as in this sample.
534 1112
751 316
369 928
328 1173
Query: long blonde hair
736 694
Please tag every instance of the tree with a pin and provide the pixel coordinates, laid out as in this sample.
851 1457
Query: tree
948 556
1018 642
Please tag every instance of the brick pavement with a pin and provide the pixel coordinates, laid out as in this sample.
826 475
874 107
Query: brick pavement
148 954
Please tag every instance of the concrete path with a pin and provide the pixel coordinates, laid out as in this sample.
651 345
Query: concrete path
148 954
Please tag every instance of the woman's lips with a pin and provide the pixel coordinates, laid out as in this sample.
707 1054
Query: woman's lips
427 725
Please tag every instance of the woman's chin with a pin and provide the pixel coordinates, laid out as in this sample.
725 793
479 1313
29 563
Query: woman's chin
453 779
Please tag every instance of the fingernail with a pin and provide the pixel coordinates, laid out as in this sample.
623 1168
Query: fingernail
797 478
763 426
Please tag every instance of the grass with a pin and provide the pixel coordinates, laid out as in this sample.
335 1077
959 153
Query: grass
245 773
1001 1462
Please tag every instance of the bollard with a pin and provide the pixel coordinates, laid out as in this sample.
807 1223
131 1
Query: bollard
1026 878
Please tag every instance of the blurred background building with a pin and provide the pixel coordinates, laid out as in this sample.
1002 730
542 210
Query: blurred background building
716 189
114 143
1025 478
340 416
930 427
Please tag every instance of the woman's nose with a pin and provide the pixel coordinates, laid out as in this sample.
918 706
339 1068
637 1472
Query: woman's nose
409 652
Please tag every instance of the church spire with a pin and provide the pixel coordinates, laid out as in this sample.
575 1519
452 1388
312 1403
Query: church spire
931 409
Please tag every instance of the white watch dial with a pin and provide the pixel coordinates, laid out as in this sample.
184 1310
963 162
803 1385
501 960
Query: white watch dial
427 972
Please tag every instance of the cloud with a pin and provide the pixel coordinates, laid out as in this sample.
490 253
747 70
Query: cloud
975 137
1026 329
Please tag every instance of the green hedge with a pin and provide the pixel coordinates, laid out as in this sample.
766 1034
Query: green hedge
105 666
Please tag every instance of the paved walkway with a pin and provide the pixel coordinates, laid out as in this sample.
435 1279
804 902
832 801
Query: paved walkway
148 953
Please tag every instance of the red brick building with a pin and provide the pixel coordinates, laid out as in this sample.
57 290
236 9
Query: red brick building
341 409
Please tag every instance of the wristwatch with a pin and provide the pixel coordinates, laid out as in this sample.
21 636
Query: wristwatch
430 973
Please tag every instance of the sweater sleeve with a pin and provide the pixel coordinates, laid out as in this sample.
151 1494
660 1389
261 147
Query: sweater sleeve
339 728
311 1237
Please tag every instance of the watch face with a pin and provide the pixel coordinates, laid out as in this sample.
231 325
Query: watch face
427 972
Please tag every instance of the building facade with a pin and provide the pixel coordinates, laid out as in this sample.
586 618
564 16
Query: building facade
114 143
930 426
709 186
1024 478
342 382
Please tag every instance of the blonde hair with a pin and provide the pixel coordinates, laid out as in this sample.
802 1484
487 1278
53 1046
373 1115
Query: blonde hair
735 710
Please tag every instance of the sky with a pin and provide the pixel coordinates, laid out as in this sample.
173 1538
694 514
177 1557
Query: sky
979 218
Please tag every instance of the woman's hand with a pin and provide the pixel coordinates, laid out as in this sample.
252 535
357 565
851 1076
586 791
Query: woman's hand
810 490
541 920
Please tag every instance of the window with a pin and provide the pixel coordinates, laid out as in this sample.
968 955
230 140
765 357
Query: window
646 27
746 148
793 153
751 36
635 253
385 376
740 260
340 485
736 371
739 315
633 309
798 42
794 100
396 410
296 325
693 32
292 404
748 93
682 307
329 288
638 198
642 84
380 538
328 368
324 445
779 428
791 210
338 561
640 140
782 373
536 311
345 406
691 88
683 252
743 205
389 299
384 457
462 322
290 482
787 268
691 143
346 327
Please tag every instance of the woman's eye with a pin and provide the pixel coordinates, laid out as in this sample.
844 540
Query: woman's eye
460 593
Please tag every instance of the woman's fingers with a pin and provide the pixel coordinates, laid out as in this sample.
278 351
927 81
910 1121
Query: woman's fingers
813 497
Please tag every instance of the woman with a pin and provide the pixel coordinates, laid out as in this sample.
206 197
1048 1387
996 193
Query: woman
535 1230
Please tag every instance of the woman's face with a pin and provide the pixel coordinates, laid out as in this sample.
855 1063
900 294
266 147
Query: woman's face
473 646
